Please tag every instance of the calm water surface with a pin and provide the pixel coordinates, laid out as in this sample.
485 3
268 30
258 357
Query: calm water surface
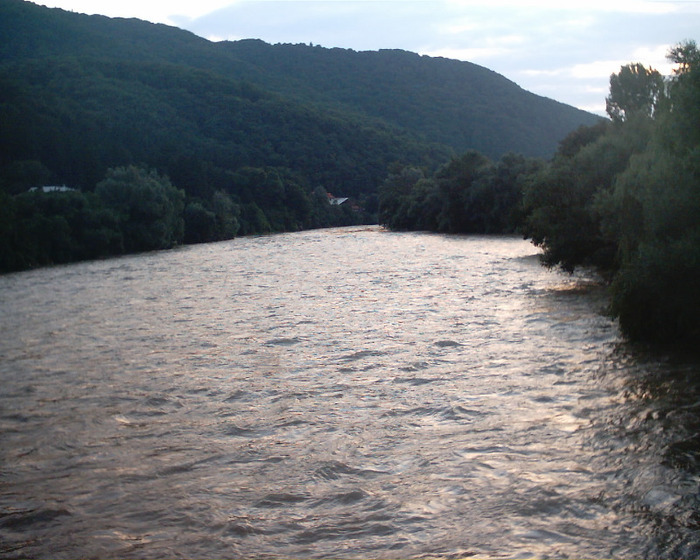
344 393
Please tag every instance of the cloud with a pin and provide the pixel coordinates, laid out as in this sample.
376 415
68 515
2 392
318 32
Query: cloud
596 69
619 6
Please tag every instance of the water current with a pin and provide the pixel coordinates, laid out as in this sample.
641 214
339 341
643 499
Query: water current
342 393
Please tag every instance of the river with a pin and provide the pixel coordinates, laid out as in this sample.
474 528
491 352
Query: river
339 393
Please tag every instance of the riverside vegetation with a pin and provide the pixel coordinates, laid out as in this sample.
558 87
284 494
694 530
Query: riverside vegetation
165 138
622 196
168 138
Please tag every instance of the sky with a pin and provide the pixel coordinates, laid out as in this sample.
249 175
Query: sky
561 49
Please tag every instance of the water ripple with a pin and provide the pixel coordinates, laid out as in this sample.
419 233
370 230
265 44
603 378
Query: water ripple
338 393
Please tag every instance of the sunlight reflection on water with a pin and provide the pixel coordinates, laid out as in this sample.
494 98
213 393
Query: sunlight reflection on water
336 393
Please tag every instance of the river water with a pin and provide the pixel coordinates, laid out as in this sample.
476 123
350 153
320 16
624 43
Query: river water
341 393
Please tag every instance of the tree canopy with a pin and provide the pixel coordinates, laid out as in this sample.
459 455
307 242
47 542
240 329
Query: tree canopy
622 196
147 207
635 90
171 138
628 201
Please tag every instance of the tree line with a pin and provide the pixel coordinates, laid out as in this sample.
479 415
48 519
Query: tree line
225 139
136 209
622 196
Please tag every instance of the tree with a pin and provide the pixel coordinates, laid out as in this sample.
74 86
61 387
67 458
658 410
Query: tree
656 208
494 202
581 137
226 215
39 228
455 180
395 193
562 201
148 207
467 195
9 257
683 123
635 90
686 55
200 223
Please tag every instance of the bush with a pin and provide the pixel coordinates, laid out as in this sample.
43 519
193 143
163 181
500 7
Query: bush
148 207
656 294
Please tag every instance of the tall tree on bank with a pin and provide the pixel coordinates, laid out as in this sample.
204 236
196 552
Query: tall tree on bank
635 90
686 55
656 210
626 199
148 207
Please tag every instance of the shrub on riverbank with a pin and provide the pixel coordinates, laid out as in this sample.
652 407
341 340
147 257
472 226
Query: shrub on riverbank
469 194
136 209
622 196
628 201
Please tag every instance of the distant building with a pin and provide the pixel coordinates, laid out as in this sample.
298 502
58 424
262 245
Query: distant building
51 188
334 201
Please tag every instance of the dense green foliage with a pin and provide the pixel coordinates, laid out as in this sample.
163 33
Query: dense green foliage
148 209
622 196
449 102
131 210
469 194
170 138
135 209
561 200
626 199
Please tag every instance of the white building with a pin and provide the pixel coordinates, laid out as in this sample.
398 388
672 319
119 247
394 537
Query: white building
51 188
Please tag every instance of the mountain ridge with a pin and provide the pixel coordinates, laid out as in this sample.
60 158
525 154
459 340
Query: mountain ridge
451 81
102 86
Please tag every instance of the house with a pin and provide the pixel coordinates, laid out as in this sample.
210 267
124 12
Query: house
334 201
51 188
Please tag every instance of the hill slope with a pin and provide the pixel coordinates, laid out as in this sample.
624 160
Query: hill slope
81 93
456 103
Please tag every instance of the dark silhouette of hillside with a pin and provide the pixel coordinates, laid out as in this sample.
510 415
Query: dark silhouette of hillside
83 93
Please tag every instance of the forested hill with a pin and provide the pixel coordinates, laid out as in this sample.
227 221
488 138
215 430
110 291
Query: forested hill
460 104
166 137
116 72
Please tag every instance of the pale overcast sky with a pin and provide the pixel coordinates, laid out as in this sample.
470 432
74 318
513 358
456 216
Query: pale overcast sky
565 50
